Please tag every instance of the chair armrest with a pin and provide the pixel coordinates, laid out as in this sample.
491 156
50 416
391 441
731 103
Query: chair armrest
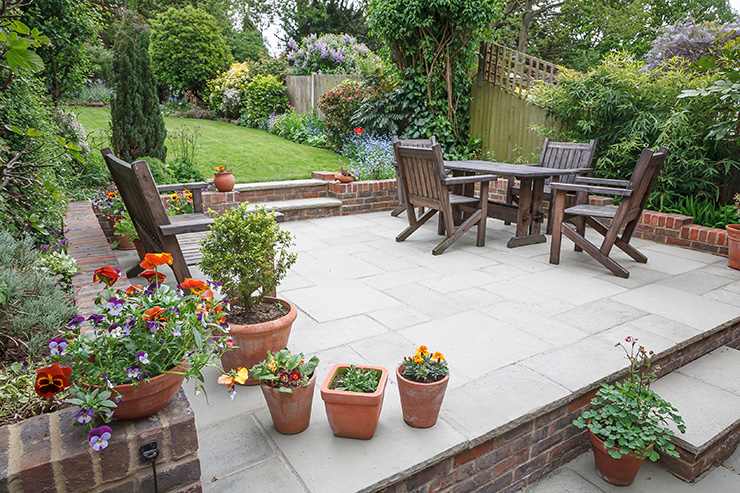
178 187
191 226
602 181
571 187
462 180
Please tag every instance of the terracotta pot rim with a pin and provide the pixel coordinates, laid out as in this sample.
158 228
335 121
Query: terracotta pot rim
423 384
223 172
368 396
262 327
125 386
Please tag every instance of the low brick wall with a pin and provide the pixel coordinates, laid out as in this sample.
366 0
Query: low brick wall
47 454
532 447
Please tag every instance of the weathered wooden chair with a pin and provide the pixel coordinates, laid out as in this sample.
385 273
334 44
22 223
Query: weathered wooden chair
606 220
157 231
424 143
425 184
557 155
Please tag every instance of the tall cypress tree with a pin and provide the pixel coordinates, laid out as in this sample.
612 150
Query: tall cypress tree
136 118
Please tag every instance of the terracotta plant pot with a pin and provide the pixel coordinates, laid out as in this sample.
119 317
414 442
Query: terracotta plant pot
733 245
343 178
291 413
619 472
421 402
251 342
224 181
353 414
124 242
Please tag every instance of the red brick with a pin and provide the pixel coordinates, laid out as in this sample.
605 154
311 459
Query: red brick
582 401
473 453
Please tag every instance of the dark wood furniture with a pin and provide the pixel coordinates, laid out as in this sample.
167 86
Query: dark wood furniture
425 184
606 220
157 231
424 143
557 155
527 214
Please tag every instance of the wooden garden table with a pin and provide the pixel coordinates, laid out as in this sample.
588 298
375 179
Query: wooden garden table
528 214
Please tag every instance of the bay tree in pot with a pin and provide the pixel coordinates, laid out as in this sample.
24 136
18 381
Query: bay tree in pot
246 252
627 423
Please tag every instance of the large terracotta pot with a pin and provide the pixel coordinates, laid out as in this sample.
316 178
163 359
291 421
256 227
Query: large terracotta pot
353 414
421 402
733 245
619 472
146 398
251 342
291 412
124 242
224 181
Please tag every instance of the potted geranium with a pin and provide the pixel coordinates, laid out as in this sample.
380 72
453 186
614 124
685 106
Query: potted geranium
422 381
223 178
353 398
628 421
287 382
128 359
246 252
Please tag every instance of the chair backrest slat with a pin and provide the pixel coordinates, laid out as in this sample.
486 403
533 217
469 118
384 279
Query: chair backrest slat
566 155
643 180
422 171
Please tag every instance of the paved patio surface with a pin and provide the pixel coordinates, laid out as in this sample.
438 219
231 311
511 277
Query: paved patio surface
519 334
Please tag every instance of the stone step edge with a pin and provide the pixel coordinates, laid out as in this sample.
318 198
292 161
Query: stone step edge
297 204
278 185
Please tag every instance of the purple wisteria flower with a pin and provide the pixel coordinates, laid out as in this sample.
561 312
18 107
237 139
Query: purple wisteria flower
84 416
76 322
96 319
142 357
133 371
114 305
99 437
57 346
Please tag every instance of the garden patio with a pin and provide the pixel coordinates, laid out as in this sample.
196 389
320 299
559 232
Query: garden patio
526 341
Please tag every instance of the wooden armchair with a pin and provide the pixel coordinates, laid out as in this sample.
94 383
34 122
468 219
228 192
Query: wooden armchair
423 143
557 155
425 184
606 220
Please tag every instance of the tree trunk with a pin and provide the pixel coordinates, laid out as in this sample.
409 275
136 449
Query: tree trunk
527 18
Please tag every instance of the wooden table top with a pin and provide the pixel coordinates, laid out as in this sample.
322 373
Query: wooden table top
508 169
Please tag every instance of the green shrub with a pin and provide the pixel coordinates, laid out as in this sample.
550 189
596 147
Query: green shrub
161 173
265 95
185 171
96 92
304 128
339 105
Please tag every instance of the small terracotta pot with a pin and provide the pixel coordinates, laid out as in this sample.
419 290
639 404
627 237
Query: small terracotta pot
251 342
353 414
343 178
224 181
124 242
421 402
733 245
619 472
291 413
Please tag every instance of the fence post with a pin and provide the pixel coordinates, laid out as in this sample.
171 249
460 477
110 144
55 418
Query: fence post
313 89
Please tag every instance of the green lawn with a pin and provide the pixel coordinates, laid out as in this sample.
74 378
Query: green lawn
254 155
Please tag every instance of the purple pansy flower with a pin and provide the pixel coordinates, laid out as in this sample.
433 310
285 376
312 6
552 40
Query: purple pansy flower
119 399
57 345
108 382
232 392
114 305
84 416
152 326
133 371
176 331
96 319
143 357
99 437
76 322
127 326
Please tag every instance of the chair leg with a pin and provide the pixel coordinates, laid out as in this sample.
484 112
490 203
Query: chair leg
416 225
580 224
557 225
398 210
509 195
445 244
620 243
595 252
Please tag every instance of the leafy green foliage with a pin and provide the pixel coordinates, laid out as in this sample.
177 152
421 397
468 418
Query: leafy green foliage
186 147
161 173
96 92
246 44
136 118
339 105
247 253
285 371
629 416
57 264
304 128
355 379
188 49
424 367
706 212
18 401
265 94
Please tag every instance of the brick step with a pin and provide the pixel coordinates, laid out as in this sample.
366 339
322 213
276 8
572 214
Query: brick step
297 208
269 191
706 393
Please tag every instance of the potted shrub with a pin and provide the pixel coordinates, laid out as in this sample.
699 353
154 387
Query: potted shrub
627 423
246 253
353 397
287 382
733 240
223 178
422 382
130 357
125 233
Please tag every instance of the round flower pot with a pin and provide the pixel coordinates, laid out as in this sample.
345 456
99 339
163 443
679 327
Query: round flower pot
291 412
343 178
251 342
124 242
353 414
733 245
619 472
224 181
421 402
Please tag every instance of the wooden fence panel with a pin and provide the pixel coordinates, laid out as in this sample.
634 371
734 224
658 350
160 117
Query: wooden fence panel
304 90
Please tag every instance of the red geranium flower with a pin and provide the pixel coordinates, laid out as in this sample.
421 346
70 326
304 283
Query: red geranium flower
107 275
195 287
149 274
52 379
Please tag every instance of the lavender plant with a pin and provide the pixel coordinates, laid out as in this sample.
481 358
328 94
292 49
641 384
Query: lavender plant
327 54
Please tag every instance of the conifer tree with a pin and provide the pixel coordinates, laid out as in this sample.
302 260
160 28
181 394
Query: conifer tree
136 118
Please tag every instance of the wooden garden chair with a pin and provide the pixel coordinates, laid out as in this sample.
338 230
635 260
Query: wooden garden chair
557 155
424 143
606 220
425 184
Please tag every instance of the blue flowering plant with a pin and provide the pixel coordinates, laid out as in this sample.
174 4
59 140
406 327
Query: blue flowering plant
135 334
369 156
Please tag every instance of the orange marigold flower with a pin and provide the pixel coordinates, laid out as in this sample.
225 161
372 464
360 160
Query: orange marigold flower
154 313
418 359
52 379
133 289
152 260
107 275
438 356
150 274
195 287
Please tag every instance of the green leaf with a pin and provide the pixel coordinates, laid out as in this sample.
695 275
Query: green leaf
19 27
22 58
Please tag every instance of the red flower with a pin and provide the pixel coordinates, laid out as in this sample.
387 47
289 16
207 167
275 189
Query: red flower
152 260
295 375
107 275
52 379
358 131
149 274
154 313
195 287
133 289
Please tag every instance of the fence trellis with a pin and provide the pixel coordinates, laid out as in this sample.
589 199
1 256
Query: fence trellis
512 71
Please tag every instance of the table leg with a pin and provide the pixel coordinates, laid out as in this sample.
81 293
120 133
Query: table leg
538 193
529 215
